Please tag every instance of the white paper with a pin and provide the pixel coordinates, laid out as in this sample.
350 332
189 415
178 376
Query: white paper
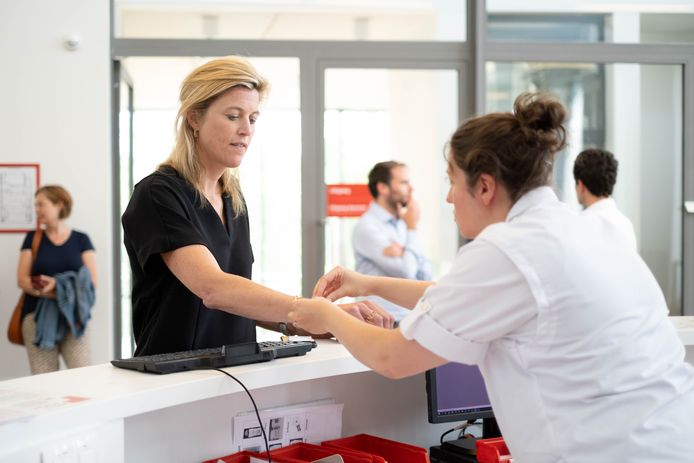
330 459
312 423
17 188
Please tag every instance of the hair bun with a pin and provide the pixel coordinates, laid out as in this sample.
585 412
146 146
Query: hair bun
545 114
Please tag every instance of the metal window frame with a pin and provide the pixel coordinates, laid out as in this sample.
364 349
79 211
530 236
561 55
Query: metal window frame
118 75
468 58
651 54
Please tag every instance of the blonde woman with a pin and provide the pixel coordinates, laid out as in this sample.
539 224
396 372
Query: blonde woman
186 226
61 250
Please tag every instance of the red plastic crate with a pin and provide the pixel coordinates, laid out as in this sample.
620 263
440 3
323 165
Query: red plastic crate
389 451
304 453
241 457
493 450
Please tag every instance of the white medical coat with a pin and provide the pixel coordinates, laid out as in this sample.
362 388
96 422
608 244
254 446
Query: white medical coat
572 336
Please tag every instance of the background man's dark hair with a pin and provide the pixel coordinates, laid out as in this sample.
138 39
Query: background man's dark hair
597 169
380 173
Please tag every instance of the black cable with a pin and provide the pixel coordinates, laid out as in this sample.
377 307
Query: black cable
255 407
461 434
461 427
444 435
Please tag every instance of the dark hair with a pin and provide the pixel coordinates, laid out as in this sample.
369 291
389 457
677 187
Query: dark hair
517 149
381 173
597 169
57 195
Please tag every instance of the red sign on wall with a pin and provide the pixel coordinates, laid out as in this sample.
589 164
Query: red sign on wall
347 200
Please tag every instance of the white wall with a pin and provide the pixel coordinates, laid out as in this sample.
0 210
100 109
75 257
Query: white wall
56 112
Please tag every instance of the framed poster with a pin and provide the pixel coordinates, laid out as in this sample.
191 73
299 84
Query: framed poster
18 183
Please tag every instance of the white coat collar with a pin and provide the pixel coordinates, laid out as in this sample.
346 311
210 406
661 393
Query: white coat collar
534 197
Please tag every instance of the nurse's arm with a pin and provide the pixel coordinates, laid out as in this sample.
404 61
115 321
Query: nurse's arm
404 293
385 351
342 282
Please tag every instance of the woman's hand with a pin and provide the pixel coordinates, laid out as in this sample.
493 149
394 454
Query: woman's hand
42 286
47 285
339 283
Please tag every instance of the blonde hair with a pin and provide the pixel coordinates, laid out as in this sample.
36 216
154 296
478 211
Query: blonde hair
198 90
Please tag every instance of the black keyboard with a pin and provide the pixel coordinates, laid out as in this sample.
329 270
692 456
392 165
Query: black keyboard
216 357
287 348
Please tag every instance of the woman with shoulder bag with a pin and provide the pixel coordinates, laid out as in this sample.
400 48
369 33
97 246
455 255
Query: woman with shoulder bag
53 322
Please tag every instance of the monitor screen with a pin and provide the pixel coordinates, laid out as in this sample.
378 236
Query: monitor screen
456 392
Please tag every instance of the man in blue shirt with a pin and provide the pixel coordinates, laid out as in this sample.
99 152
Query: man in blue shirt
385 240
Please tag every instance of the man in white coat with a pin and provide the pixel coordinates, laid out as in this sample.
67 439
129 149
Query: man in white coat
595 172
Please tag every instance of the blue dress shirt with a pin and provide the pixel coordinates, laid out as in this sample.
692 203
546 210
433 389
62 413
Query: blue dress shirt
376 230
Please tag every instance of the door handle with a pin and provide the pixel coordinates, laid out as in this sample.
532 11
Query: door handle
689 207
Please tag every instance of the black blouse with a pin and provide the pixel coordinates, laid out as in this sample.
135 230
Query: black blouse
164 214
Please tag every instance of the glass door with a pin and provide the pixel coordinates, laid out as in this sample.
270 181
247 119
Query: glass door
406 115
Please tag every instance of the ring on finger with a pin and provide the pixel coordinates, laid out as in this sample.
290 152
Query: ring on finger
370 316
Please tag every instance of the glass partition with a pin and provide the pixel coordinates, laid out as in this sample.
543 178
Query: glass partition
637 21
635 111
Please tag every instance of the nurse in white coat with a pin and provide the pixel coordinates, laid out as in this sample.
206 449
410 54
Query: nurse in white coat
570 332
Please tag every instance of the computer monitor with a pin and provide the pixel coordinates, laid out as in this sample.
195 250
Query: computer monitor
456 392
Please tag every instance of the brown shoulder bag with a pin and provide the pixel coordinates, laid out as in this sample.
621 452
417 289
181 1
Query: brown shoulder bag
14 330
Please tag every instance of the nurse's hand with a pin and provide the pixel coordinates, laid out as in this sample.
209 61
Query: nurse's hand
366 311
340 282
370 312
312 315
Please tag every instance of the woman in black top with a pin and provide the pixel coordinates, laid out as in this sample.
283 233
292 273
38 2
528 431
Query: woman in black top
186 227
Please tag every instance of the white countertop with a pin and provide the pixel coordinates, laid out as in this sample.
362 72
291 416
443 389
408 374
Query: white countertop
685 329
37 404
113 393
